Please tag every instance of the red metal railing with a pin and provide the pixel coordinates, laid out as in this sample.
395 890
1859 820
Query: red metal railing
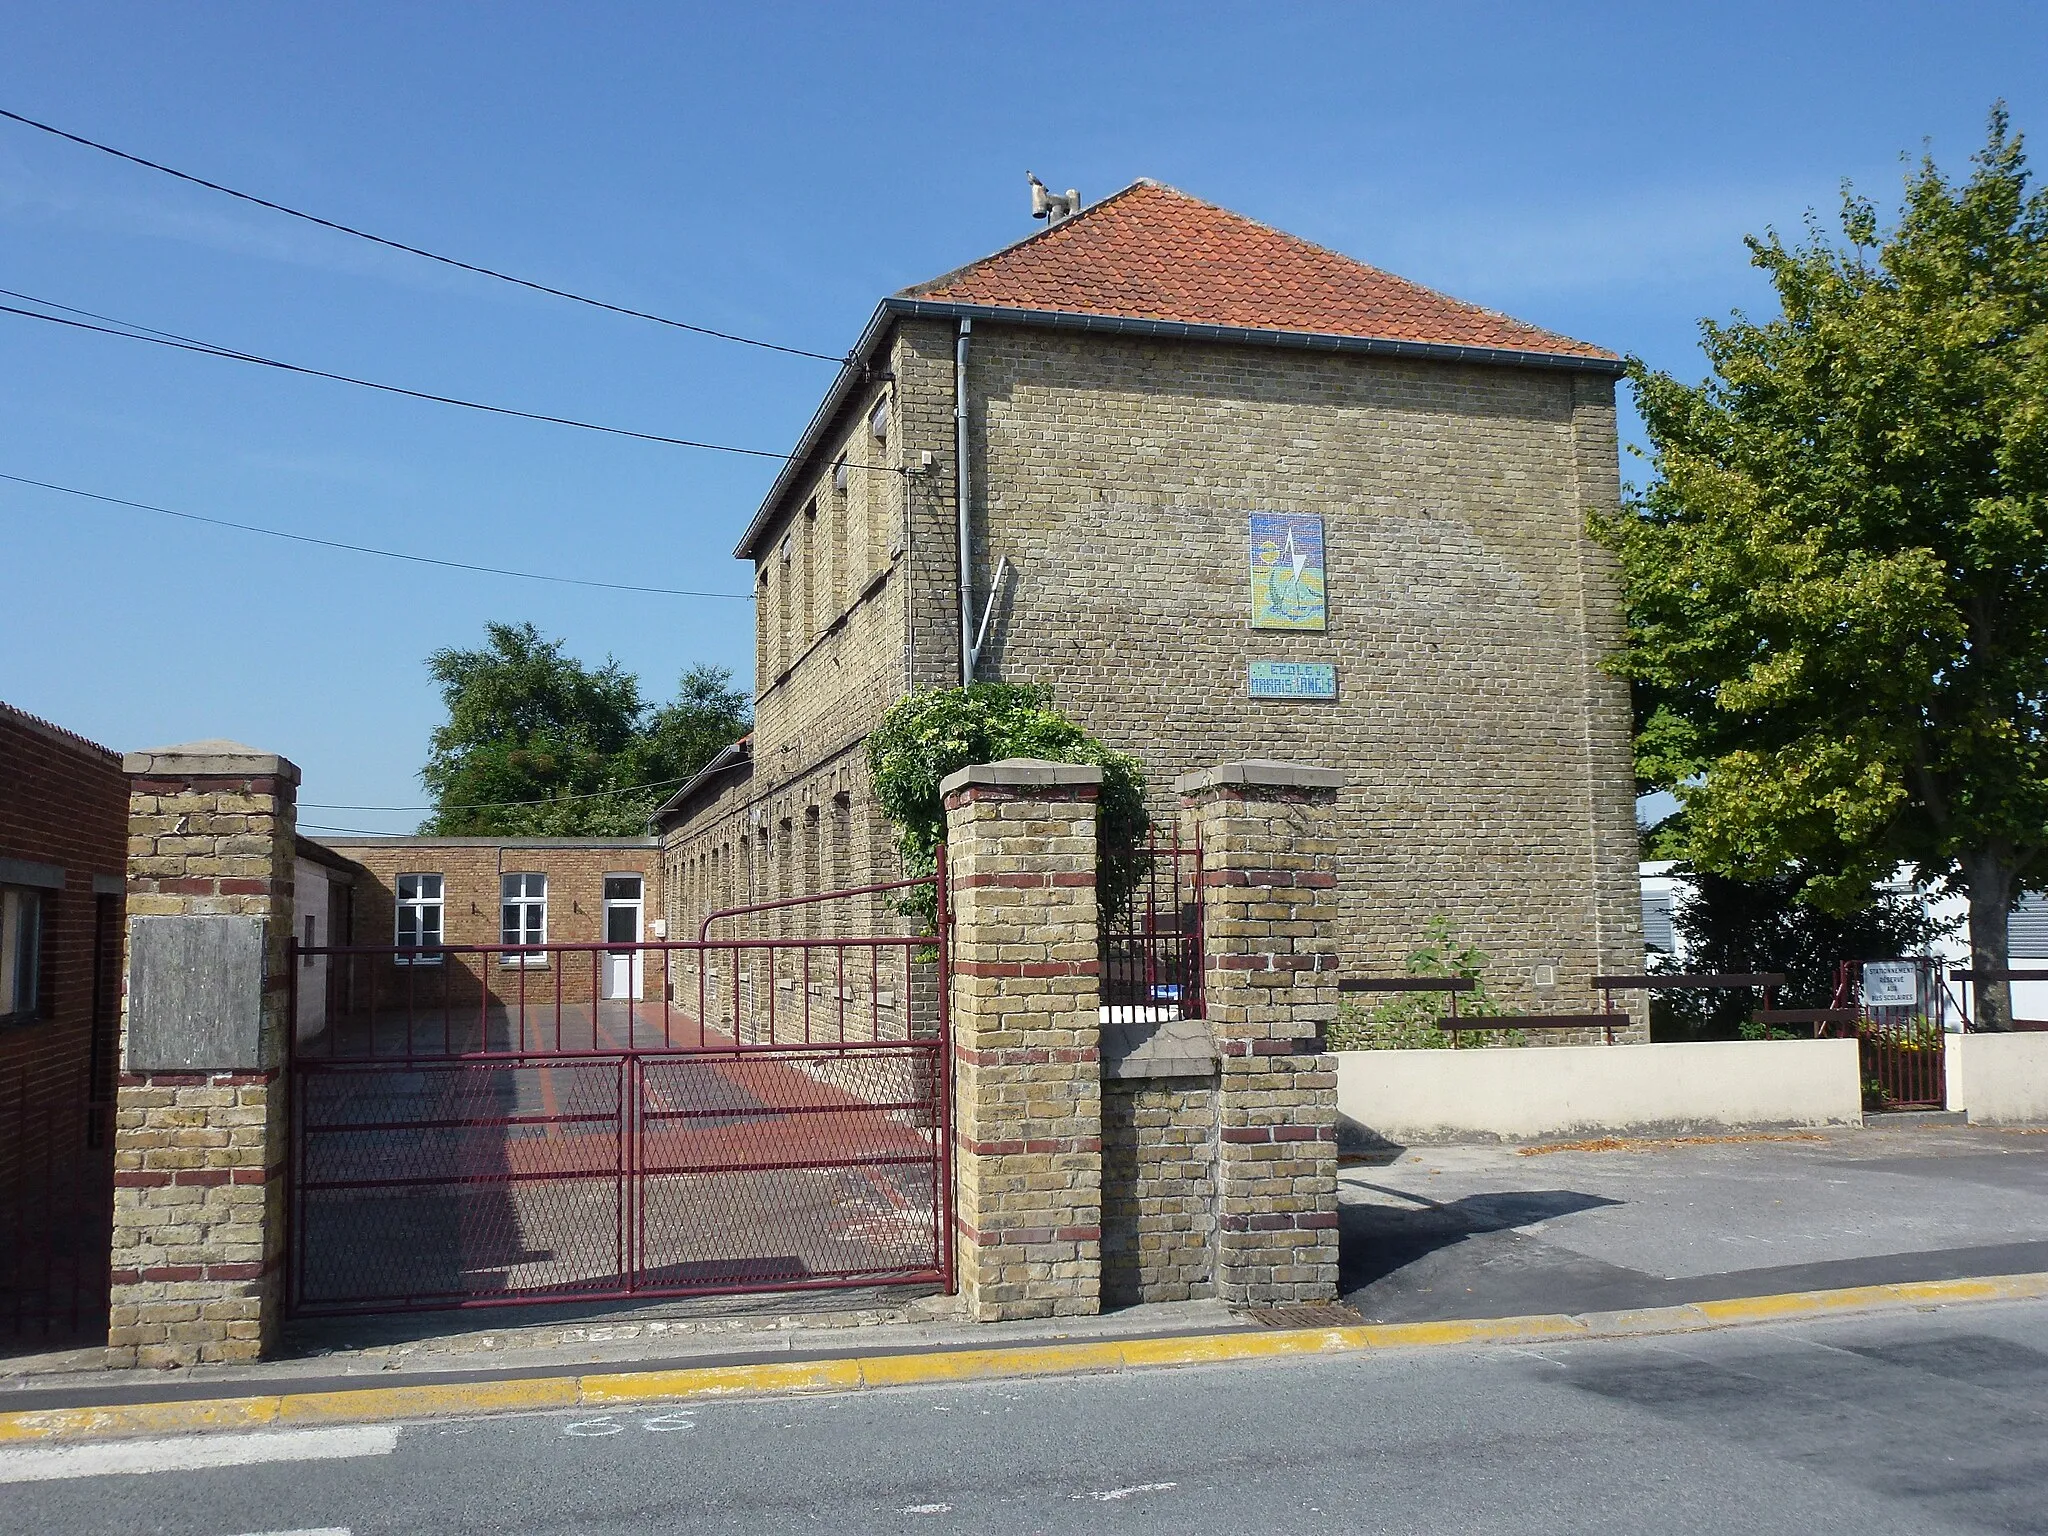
482 1125
1151 950
1901 1050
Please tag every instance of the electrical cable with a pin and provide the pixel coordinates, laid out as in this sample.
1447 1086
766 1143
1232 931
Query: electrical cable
365 549
414 250
208 349
497 805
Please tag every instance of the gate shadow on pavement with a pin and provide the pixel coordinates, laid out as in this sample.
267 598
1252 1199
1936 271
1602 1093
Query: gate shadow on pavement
1392 1253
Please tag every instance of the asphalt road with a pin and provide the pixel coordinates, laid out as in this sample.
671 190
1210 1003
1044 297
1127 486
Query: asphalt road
1917 1422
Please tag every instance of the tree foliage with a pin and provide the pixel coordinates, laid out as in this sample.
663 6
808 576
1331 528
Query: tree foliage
1837 585
930 734
538 745
1746 927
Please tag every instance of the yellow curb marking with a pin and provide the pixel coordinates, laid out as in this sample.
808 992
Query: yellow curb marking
602 1389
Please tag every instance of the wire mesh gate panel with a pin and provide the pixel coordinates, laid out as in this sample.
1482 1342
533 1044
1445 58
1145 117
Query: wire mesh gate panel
476 1126
469 1182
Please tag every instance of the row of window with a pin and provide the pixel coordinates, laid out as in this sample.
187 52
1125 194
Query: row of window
522 913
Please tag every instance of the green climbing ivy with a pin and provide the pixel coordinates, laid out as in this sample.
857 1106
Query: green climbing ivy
935 732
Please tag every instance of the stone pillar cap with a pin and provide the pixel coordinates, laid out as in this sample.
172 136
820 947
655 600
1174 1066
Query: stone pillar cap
1023 773
214 758
1260 773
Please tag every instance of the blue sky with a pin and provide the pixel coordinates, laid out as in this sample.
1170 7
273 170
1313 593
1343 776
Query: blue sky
772 170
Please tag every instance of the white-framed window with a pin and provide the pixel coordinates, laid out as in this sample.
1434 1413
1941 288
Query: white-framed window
419 919
523 914
21 953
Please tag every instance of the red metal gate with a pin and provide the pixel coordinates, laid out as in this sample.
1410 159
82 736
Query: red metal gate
478 1125
1151 950
1901 1046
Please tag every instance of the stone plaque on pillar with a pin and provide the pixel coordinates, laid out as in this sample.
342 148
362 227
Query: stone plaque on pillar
195 994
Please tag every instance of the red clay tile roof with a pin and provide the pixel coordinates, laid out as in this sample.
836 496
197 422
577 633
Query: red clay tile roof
1151 252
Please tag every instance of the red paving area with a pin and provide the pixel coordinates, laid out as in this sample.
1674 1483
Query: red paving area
486 1176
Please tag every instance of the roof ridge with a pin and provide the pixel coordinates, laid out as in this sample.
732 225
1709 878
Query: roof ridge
1332 251
1037 234
50 726
1140 267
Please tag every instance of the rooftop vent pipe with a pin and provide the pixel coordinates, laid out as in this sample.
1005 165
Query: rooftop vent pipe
1054 208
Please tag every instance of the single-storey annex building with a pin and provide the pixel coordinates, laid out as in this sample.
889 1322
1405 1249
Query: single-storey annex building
420 895
1232 495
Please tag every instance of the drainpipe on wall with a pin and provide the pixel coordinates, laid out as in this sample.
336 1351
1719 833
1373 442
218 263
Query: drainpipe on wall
960 473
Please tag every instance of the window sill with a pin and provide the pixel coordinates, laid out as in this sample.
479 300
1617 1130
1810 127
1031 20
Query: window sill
417 959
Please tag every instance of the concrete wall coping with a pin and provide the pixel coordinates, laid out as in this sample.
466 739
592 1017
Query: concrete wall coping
1260 773
1021 773
216 758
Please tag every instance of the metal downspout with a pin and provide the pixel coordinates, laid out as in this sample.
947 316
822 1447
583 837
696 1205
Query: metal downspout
960 502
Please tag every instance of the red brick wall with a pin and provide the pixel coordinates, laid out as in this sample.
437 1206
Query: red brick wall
470 889
63 801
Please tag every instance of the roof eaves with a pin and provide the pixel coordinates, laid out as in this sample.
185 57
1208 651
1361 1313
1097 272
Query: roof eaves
723 759
853 373
1315 341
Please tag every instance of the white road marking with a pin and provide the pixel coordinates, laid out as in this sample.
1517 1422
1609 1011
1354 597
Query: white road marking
325 1530
662 1423
1124 1493
191 1453
929 1509
597 1427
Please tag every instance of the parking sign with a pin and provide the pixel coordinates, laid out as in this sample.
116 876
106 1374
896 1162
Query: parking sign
1891 983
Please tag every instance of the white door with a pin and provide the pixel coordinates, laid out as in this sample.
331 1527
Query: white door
622 907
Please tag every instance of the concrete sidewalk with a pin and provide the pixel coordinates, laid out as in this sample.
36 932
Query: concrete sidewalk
1465 1231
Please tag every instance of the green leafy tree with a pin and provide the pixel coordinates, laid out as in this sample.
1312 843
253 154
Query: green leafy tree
1746 927
930 734
538 745
1837 585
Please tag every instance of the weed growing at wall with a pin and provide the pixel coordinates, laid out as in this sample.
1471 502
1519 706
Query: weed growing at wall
941 730
1406 1021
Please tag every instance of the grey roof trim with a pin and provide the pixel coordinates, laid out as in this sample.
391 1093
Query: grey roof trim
895 307
403 840
725 757
1313 341
304 847
851 376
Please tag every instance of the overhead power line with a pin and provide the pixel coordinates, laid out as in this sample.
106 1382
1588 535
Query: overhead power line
365 549
499 805
414 250
128 331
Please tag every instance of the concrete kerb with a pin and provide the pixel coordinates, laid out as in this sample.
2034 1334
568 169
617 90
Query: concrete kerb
628 1389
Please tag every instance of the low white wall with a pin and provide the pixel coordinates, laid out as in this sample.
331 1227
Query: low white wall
1999 1079
1523 1093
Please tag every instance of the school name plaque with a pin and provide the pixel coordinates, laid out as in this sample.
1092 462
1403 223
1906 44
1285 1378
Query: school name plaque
1293 680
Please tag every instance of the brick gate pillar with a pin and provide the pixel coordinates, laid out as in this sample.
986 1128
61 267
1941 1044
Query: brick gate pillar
200 1117
1269 934
1027 1028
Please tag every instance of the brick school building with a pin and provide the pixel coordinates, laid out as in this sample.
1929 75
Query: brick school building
1233 496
